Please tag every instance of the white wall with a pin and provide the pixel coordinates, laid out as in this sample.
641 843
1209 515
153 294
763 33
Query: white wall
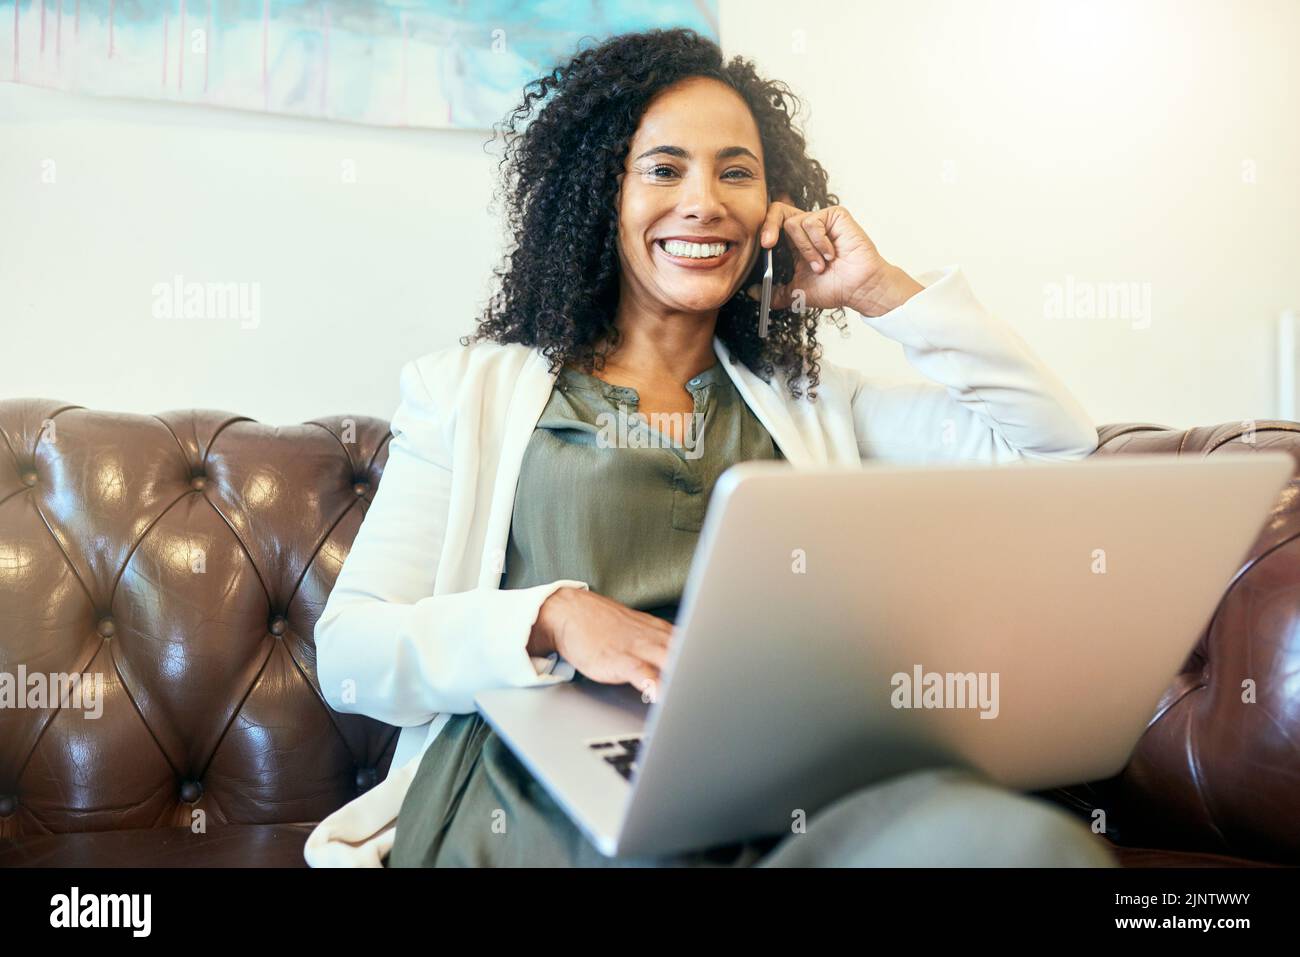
354 277
1028 140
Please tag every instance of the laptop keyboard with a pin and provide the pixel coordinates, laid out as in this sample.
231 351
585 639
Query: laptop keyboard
619 751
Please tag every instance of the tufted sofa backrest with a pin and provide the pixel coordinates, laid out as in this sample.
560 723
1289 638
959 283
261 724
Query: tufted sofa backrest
180 561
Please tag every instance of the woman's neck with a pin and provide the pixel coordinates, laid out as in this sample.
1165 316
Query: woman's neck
662 351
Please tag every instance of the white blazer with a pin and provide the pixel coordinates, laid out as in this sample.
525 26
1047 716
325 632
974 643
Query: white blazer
417 624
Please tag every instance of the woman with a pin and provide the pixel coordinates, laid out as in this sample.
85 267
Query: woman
511 544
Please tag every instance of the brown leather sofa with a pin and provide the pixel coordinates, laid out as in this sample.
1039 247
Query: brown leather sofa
186 557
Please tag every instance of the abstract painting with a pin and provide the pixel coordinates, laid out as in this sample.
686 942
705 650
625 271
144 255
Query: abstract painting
416 63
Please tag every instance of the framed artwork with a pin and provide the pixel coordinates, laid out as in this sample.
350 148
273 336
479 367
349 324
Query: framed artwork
414 63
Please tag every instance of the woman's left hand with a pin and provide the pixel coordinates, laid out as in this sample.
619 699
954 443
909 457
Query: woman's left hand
836 263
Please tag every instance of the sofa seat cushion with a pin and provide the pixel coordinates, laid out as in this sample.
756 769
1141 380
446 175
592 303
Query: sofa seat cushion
226 845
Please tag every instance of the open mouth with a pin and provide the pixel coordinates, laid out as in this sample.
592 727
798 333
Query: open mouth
695 255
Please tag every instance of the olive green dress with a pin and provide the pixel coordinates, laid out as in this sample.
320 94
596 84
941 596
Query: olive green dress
608 500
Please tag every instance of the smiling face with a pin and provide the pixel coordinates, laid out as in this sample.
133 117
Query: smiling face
695 174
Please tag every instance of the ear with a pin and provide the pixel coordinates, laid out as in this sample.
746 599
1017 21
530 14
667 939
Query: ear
784 197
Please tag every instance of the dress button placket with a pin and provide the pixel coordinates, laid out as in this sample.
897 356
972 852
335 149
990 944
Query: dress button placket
688 498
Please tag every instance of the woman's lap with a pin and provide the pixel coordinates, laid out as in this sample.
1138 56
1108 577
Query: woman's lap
472 804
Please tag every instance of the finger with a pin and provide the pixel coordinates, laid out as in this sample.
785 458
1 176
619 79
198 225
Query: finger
644 678
815 227
643 619
802 244
651 653
658 631
771 229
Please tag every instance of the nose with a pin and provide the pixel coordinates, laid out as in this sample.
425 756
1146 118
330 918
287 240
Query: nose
701 199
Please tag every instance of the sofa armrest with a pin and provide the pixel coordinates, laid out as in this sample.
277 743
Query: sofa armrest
1218 768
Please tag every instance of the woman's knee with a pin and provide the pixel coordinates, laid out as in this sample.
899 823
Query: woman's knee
942 817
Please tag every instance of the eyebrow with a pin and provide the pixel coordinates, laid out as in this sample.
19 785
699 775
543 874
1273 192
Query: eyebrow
727 152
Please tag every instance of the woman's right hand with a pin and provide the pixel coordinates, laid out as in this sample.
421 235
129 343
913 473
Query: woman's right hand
602 638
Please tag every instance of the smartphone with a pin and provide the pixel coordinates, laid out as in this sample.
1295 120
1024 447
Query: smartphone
762 273
765 302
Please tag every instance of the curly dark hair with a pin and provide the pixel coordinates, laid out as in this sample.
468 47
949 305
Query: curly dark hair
559 283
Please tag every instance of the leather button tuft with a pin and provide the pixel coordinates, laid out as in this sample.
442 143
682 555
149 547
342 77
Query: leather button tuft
191 791
106 628
198 483
361 488
367 778
278 625
29 478
8 804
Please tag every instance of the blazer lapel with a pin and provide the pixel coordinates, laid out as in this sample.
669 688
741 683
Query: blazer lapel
527 400
771 404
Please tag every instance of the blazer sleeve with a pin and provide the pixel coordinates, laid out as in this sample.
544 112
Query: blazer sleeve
386 645
989 399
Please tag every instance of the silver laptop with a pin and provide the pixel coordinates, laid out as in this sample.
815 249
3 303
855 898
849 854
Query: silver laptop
839 626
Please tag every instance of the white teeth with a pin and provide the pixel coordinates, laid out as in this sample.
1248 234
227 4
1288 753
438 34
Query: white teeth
676 247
